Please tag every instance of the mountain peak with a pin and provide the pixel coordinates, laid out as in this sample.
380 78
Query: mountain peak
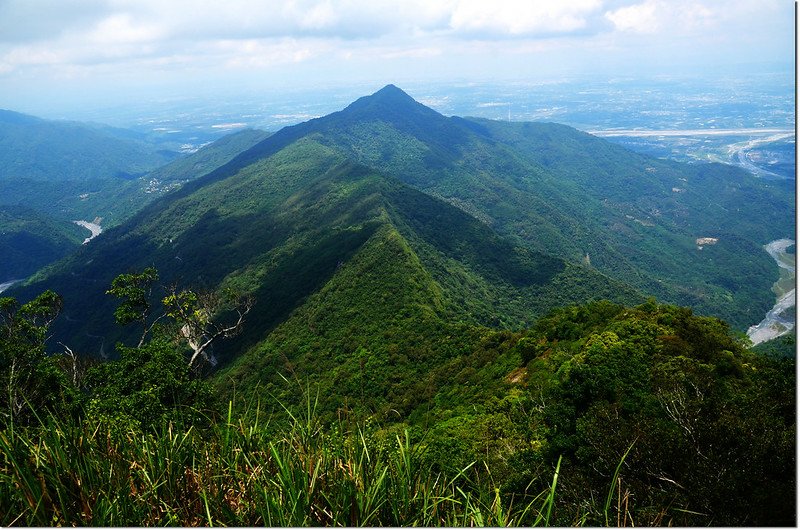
390 101
393 92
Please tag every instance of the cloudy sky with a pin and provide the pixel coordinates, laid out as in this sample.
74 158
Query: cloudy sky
65 52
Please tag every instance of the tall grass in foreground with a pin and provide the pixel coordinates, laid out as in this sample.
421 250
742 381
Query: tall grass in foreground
236 473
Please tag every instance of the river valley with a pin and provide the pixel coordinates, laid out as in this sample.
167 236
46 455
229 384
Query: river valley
94 228
780 319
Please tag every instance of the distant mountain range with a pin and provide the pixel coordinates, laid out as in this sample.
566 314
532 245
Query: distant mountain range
36 149
53 173
388 223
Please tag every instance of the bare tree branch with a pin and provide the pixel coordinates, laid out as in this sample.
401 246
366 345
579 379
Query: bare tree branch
196 314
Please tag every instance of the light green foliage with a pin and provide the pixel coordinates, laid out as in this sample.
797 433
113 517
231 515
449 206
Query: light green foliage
185 303
199 320
238 473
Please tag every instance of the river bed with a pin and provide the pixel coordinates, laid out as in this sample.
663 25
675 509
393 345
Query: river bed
780 319
94 228
6 285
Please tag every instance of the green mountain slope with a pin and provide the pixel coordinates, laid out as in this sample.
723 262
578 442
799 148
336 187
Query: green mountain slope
208 158
98 194
29 240
282 227
255 220
371 336
44 208
567 193
33 148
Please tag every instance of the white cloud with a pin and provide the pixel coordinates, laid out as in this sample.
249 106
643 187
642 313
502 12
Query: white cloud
415 53
521 17
322 15
145 40
122 29
640 18
674 16
256 53
35 20
698 16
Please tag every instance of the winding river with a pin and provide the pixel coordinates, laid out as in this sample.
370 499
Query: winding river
779 319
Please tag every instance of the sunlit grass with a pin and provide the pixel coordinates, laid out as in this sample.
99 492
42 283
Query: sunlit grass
239 472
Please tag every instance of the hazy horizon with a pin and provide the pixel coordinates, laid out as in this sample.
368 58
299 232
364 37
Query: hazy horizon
59 58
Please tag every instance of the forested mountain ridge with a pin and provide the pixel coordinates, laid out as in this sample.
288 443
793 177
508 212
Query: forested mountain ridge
548 187
572 195
404 358
425 274
280 229
569 194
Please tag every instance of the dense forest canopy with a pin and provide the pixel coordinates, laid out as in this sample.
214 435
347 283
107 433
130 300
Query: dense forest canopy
597 414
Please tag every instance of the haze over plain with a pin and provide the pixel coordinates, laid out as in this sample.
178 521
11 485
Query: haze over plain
62 57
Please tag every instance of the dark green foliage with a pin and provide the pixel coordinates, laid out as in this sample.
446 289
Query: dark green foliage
148 386
698 409
134 289
32 383
30 240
